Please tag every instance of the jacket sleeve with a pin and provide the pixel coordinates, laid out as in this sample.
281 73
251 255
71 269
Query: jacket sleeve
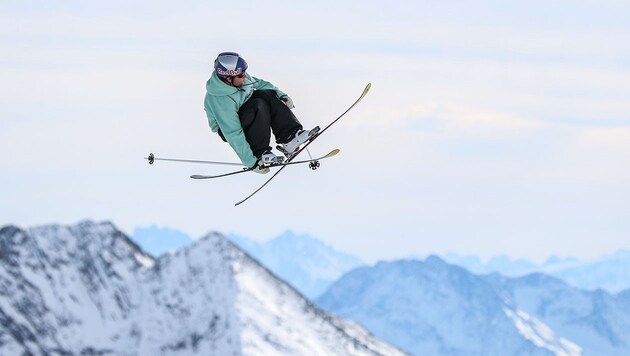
260 84
224 111
212 121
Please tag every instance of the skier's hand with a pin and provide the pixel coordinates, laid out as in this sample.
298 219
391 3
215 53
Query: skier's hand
287 101
221 135
259 167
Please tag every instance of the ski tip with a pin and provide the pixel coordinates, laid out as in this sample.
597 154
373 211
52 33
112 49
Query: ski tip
333 153
197 176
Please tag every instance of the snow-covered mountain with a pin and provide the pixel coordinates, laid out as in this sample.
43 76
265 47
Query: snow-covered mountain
609 272
159 240
598 321
433 308
89 290
305 262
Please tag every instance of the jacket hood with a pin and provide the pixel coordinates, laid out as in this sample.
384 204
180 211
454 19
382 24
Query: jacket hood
216 87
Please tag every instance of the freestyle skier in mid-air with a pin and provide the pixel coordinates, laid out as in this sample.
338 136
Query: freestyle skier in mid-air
244 110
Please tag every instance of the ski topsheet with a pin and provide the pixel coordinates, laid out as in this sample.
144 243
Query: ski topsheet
244 170
365 91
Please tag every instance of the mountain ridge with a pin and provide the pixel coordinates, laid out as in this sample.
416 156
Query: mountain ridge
610 272
463 313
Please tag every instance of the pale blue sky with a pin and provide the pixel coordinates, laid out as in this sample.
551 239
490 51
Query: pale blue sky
492 127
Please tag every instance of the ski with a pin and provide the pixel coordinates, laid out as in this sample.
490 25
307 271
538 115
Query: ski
313 161
365 91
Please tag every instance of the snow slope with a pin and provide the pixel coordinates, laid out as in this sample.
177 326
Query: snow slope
609 272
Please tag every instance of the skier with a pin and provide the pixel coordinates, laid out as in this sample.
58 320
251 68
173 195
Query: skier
244 110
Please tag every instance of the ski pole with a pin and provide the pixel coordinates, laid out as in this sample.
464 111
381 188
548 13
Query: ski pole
152 159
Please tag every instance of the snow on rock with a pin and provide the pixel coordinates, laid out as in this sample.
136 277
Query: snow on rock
596 321
541 335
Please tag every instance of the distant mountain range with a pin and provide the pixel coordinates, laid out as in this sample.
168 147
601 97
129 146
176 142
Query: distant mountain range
610 272
434 308
312 266
159 240
307 263
88 289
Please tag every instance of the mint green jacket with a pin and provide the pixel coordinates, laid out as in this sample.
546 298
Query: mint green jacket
222 103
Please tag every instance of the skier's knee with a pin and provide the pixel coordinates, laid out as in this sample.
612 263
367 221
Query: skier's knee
260 104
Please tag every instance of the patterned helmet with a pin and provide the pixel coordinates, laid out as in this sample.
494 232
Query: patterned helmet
229 64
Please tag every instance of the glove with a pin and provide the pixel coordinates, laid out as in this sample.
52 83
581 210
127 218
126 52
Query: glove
259 167
287 101
221 135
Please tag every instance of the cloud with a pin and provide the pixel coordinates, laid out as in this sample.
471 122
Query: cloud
473 107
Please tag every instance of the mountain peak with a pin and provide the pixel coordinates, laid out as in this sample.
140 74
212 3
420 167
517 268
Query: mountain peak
432 308
434 260
290 238
427 307
10 230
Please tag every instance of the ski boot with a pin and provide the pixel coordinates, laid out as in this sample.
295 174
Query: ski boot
301 137
269 158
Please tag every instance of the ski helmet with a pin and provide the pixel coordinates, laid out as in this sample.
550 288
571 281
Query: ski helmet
229 64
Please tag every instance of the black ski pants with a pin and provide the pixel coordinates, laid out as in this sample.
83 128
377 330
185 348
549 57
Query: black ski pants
265 112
